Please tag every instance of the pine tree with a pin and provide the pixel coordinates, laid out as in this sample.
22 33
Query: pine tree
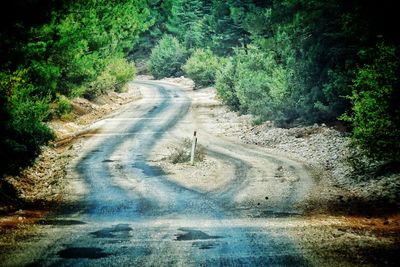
186 22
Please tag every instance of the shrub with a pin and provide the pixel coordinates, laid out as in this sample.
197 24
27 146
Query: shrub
201 67
63 106
104 82
22 129
375 112
122 70
261 84
252 81
225 84
167 58
181 153
117 72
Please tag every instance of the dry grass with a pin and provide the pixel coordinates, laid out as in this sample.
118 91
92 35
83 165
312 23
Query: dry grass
181 152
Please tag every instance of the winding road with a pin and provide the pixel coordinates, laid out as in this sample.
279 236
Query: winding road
127 213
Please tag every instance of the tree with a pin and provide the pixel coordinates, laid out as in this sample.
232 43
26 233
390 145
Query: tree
52 48
167 58
375 113
201 67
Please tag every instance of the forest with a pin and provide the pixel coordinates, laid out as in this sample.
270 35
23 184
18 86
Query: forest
294 62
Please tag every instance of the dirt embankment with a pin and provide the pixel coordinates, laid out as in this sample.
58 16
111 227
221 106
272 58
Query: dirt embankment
42 185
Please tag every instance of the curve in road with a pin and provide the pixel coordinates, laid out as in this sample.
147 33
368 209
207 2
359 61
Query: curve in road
133 216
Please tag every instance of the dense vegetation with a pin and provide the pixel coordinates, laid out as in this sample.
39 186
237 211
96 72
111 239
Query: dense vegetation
53 50
291 61
295 61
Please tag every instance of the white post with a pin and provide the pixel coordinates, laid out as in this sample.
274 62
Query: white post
194 143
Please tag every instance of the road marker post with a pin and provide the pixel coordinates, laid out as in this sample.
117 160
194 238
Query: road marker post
194 143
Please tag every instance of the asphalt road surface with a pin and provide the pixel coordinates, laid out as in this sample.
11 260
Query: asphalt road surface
128 214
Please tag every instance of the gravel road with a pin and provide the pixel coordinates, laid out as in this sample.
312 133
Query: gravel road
125 211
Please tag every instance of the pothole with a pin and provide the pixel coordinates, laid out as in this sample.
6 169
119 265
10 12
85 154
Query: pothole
119 230
191 234
204 245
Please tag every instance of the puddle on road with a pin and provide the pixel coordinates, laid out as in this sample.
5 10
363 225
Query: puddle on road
61 222
83 253
119 230
192 234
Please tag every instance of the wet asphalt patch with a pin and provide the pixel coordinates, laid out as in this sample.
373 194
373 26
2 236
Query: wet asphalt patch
192 234
83 253
119 230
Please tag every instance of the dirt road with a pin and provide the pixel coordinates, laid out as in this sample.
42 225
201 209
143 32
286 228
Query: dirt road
125 211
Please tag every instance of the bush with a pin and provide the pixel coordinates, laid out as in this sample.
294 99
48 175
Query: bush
167 58
122 70
225 84
376 112
22 129
181 153
63 106
201 67
104 82
261 84
116 74
252 81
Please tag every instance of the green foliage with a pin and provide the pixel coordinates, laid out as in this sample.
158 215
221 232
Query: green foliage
103 83
252 81
201 67
294 61
122 70
225 84
167 58
115 75
23 131
260 84
63 106
65 49
159 13
187 22
375 100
